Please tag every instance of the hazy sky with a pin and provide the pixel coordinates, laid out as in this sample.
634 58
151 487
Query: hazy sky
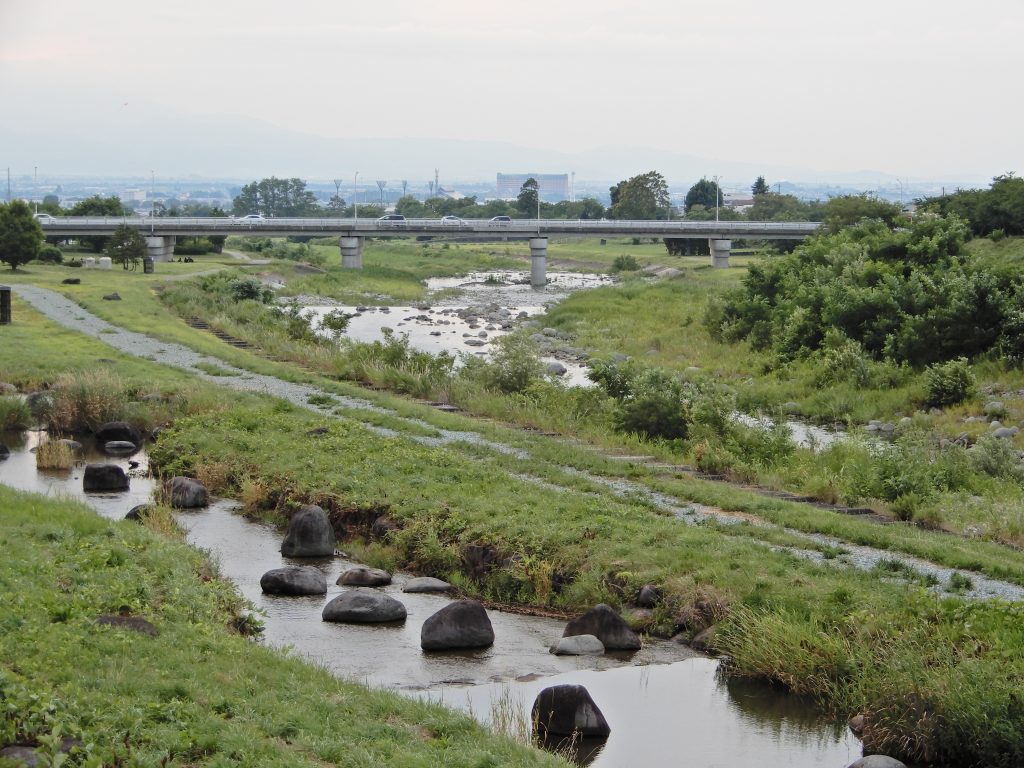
917 87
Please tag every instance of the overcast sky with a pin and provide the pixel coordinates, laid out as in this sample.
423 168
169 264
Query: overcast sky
915 87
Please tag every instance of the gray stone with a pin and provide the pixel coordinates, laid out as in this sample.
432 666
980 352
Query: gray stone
565 710
361 576
382 526
856 724
474 343
134 623
648 596
104 477
310 534
994 408
1006 433
115 296
461 624
704 640
607 626
426 584
578 645
364 606
187 493
74 445
294 580
138 512
7 389
877 761
39 403
119 447
555 368
21 753
118 430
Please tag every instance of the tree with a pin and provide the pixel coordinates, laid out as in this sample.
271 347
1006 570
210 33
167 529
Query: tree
126 247
641 197
760 186
335 207
704 192
20 234
845 210
276 197
97 206
528 198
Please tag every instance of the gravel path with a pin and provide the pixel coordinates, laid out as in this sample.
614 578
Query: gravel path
65 312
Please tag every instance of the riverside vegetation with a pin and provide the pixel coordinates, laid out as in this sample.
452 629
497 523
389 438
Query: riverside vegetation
935 676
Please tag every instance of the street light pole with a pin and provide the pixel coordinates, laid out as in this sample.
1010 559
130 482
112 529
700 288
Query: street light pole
355 196
718 192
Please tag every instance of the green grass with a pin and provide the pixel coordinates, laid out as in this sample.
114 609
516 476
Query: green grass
198 693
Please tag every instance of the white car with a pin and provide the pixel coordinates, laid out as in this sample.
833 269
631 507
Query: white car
500 221
251 219
451 221
45 218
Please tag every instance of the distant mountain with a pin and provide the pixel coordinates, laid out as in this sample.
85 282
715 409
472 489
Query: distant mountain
72 134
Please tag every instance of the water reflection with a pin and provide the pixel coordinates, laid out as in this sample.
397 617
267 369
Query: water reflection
666 707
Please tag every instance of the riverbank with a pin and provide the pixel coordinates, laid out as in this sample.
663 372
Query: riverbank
187 689
853 639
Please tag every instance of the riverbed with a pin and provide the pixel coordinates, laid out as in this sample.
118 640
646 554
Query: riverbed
664 703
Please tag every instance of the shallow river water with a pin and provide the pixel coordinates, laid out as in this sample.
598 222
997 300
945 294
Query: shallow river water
666 705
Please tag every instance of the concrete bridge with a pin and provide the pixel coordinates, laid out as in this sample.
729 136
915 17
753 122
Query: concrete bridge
160 232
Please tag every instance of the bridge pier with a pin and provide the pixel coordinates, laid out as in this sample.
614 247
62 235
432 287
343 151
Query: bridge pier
160 247
351 252
538 262
720 253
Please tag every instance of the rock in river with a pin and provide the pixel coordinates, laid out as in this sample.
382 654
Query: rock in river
294 580
606 625
118 430
187 493
578 645
361 576
104 477
565 710
364 606
426 584
310 534
462 624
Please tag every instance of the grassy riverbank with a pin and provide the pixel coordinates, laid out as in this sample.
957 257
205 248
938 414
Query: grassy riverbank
935 677
198 693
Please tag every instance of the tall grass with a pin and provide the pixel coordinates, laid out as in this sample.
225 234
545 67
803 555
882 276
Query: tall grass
53 454
14 414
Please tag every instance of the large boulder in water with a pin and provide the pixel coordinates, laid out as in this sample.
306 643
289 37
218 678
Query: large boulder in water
118 430
187 493
364 606
104 477
294 580
462 624
578 645
426 584
310 534
606 625
120 447
565 710
362 576
4 451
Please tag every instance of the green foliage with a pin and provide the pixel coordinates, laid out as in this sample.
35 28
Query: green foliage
949 383
276 197
644 196
335 322
996 212
514 365
625 263
126 247
14 414
705 193
846 210
528 198
193 246
907 296
97 205
21 237
50 254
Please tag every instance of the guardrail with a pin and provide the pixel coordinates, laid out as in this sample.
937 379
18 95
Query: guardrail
611 227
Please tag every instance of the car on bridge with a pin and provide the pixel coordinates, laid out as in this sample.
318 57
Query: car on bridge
500 221
391 221
252 219
45 218
452 221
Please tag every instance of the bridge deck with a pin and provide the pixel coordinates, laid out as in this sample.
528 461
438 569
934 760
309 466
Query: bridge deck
517 228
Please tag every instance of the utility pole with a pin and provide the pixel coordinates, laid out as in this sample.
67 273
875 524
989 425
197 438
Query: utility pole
337 188
718 194
355 196
572 186
405 184
381 183
8 184
437 180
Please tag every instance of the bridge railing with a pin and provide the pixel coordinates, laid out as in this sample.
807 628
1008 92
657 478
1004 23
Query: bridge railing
168 224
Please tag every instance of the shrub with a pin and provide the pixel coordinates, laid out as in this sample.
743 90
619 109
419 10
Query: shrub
249 288
514 365
996 235
14 414
996 457
50 254
53 454
625 263
335 322
949 383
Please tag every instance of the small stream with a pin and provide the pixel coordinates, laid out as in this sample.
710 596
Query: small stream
666 705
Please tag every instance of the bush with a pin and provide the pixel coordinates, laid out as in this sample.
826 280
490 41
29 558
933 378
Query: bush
514 365
949 383
14 414
996 235
50 254
249 288
625 263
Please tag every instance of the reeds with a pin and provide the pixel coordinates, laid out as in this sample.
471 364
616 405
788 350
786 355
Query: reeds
54 454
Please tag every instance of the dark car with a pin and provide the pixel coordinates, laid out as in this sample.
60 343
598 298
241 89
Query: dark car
391 221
